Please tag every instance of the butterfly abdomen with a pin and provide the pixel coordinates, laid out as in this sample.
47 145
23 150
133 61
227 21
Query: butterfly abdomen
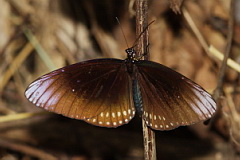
137 97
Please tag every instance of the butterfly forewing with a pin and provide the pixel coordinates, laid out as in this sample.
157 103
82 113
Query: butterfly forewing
97 91
170 99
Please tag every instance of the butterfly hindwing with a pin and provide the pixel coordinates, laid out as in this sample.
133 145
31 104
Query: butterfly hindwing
170 99
96 91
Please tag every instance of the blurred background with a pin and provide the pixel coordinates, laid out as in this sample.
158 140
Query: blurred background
37 37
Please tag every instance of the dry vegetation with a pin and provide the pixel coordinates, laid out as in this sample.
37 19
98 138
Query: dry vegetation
39 36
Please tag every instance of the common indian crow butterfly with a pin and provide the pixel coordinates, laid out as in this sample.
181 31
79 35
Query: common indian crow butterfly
107 92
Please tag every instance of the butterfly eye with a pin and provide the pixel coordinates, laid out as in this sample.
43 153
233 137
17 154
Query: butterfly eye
130 51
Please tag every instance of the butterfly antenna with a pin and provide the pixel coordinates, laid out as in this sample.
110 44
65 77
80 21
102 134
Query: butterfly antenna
135 43
122 32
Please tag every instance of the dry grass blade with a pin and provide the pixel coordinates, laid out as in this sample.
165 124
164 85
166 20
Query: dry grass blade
231 63
20 116
196 31
19 59
175 5
41 52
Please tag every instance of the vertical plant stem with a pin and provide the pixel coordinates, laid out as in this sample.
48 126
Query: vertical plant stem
149 142
142 47
219 90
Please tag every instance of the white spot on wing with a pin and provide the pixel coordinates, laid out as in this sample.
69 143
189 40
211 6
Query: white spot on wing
113 115
119 114
133 112
146 114
107 114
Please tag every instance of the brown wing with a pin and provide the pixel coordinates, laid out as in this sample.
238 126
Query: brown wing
97 91
170 99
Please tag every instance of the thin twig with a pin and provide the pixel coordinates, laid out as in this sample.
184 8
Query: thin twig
219 90
233 117
142 47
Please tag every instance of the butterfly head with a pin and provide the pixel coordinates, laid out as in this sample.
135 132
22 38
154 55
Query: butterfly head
131 54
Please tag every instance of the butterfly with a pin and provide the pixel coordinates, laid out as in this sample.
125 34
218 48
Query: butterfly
108 92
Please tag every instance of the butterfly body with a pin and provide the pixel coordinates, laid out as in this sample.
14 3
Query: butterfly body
108 92
137 97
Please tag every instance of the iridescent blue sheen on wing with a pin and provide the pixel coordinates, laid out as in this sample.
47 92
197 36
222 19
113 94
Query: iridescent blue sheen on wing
137 97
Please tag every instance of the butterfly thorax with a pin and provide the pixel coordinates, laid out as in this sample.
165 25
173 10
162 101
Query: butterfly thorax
130 60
